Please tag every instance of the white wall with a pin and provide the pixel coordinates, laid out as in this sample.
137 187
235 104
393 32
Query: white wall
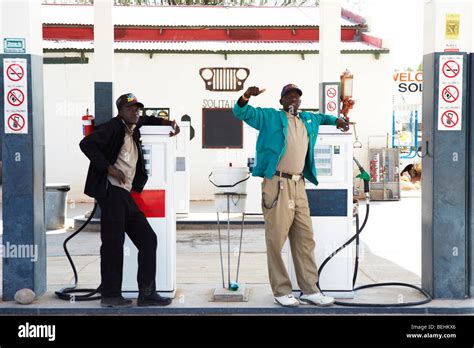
172 80
68 91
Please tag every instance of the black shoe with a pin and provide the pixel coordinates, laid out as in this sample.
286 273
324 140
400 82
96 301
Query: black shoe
153 299
116 302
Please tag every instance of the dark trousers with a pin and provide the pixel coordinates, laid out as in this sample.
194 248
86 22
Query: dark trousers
121 215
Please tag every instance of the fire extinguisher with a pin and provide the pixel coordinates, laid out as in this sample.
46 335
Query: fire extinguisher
87 124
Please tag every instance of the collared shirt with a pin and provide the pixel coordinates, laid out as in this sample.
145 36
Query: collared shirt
126 160
293 160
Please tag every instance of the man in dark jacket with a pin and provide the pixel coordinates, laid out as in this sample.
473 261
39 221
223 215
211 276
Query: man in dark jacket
116 168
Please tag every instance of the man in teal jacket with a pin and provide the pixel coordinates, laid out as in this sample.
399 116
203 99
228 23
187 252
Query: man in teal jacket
285 156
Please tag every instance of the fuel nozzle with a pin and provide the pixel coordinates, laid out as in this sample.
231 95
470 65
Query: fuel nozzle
364 176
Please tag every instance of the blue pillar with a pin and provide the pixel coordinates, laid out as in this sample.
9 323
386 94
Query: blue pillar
104 111
103 100
471 177
444 184
24 237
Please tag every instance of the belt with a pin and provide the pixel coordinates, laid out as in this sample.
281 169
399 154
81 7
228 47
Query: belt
294 177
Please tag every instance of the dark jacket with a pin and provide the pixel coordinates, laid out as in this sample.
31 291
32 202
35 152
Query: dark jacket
102 147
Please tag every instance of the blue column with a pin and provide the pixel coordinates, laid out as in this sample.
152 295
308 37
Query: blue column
471 177
24 236
444 184
104 104
104 111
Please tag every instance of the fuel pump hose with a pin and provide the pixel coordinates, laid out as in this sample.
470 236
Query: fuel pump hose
366 178
356 267
69 293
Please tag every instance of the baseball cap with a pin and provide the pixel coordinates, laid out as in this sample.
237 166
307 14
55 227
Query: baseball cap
290 87
128 99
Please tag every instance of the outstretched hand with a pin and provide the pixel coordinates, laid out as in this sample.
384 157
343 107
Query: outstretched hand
342 124
253 91
176 129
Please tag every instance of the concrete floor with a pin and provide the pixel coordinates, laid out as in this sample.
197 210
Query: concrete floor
390 251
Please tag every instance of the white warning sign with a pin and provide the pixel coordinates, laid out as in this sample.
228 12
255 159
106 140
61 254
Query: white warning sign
331 99
450 92
16 95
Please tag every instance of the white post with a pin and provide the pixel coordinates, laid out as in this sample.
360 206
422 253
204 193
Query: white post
329 56
103 60
21 19
103 40
448 26
330 40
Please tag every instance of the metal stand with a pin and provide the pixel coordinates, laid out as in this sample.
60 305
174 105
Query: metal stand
228 195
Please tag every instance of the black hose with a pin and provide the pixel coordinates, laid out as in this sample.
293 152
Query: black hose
356 304
65 293
356 263
345 244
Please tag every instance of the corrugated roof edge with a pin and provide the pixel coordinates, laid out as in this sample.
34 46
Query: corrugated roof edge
369 50
293 26
353 17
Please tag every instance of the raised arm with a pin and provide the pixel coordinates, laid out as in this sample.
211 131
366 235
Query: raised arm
158 121
250 115
330 120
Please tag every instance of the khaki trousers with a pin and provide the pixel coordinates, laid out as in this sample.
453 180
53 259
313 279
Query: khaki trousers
286 213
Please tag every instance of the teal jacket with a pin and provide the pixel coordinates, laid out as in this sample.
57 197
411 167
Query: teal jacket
271 141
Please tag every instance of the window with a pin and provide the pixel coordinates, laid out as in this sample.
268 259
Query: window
221 129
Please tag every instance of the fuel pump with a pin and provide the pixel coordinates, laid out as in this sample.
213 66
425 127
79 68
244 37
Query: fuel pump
339 226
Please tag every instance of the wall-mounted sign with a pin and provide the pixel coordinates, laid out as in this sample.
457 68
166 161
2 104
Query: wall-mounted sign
224 79
16 100
408 81
451 32
450 92
329 98
14 45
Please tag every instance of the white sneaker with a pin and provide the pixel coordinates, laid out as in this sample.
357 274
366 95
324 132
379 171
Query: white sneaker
286 301
317 299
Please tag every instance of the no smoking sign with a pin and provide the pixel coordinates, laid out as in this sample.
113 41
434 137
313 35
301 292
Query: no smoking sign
330 98
15 87
15 72
450 92
331 92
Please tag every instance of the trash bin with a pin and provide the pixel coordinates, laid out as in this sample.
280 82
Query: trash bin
55 205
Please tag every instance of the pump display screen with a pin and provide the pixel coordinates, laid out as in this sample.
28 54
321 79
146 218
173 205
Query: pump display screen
323 159
147 157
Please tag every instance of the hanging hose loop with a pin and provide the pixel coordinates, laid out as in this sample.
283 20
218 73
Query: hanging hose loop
66 293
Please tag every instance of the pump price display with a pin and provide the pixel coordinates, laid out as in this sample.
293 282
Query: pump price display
16 97
450 92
